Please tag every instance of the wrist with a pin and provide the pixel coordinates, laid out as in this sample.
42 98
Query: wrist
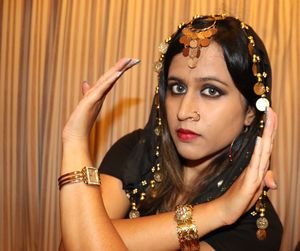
75 156
220 212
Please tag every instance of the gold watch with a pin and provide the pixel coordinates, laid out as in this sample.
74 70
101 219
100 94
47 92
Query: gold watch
88 175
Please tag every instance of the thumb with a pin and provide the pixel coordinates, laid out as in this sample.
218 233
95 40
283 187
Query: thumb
270 181
85 87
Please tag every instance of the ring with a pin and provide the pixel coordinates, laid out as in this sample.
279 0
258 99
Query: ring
196 117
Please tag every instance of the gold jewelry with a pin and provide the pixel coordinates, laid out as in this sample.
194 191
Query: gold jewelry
194 39
186 229
260 88
197 117
88 175
262 222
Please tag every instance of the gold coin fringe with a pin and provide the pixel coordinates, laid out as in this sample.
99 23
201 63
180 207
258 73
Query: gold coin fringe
260 89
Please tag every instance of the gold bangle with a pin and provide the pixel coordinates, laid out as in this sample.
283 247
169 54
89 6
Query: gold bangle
88 175
187 232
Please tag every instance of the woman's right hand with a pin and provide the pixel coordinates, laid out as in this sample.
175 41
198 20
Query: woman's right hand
79 125
243 194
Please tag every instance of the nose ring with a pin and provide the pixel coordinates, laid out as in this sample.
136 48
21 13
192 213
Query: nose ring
196 116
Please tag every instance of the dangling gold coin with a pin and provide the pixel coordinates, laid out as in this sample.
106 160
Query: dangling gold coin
258 205
157 177
250 48
201 35
213 30
261 234
186 51
198 52
254 69
157 130
262 223
259 88
193 52
184 40
153 193
193 43
205 42
134 214
157 66
163 47
192 62
186 32
207 33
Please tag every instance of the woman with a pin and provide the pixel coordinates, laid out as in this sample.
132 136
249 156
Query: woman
200 147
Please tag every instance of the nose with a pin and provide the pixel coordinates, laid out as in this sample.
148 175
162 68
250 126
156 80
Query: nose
188 109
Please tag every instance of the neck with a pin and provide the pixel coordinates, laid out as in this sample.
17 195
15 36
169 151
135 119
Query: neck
194 168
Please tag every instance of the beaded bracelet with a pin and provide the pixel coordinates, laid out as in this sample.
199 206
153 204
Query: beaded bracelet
186 229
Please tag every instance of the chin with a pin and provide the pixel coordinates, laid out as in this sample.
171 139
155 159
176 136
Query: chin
190 155
197 155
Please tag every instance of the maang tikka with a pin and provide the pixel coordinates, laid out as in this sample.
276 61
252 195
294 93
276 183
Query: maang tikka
194 39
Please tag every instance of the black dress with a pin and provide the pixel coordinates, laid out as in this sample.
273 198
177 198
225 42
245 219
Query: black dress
240 236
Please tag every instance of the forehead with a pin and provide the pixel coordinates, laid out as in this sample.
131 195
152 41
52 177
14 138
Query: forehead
210 63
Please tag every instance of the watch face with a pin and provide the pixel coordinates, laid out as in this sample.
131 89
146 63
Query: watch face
92 176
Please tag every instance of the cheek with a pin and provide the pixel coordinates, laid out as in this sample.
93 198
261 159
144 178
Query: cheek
170 111
227 124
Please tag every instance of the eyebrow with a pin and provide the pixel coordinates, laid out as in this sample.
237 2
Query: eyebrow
199 79
175 78
211 78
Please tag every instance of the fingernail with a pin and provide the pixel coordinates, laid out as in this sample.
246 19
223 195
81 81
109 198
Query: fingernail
257 140
135 61
268 116
275 186
118 74
128 60
266 111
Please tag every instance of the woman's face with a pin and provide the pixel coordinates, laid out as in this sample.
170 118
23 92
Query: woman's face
208 90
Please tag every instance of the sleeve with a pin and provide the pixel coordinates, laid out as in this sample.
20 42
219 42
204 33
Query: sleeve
116 157
242 234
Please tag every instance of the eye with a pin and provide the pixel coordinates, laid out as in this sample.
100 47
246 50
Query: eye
212 91
177 88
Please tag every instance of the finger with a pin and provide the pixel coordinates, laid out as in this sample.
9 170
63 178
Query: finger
267 140
269 180
255 159
110 81
101 88
117 67
255 197
85 87
122 65
275 124
132 63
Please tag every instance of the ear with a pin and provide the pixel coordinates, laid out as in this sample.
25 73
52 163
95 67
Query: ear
250 115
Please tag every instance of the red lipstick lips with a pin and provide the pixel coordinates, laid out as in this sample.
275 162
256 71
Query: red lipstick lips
186 135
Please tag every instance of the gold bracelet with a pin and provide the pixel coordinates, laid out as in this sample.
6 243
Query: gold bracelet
88 175
186 229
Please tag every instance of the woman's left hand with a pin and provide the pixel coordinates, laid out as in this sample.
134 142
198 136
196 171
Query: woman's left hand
244 192
79 125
